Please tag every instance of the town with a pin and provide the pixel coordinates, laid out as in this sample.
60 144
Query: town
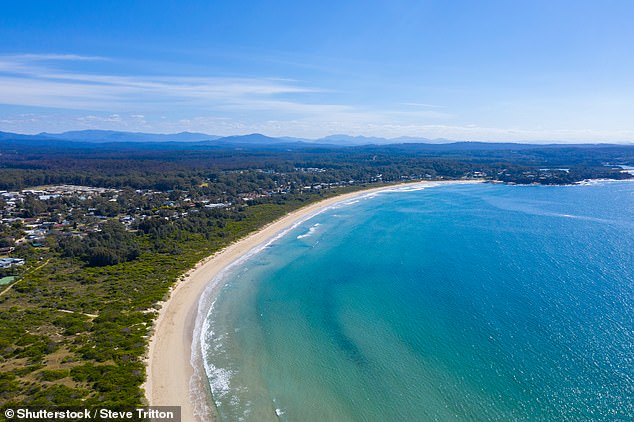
38 218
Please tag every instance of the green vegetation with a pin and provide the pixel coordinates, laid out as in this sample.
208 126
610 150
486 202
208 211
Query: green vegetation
109 246
75 322
74 329
231 169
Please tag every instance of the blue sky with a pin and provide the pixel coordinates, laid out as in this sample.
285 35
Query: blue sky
469 70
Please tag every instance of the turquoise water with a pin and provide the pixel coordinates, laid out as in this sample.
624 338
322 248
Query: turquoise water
457 302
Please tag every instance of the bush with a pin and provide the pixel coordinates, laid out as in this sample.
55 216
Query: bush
53 374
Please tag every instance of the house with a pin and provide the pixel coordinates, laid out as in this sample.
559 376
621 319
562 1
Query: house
10 262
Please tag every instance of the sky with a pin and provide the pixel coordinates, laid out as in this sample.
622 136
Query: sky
537 71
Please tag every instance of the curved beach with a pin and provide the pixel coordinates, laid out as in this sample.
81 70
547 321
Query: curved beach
169 368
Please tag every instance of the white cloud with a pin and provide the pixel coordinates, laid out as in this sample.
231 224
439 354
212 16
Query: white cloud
53 57
26 81
27 84
225 106
33 64
313 126
369 125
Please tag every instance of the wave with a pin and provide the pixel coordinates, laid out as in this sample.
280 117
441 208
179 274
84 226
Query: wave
200 390
413 187
208 381
310 232
591 182
279 412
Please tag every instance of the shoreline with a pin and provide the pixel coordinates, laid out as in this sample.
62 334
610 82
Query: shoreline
169 370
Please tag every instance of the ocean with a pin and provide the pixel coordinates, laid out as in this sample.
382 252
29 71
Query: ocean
453 302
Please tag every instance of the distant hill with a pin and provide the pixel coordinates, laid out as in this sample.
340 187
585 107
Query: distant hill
342 139
115 136
251 139
5 136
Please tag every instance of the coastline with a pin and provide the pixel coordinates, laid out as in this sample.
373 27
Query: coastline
168 365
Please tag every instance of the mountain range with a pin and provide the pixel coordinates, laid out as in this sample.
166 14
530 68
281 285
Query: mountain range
107 136
259 140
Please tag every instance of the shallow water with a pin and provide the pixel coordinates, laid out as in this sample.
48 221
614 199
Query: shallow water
462 302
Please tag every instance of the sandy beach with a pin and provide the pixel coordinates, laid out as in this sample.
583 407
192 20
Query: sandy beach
169 369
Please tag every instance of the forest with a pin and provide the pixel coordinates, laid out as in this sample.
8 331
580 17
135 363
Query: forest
170 165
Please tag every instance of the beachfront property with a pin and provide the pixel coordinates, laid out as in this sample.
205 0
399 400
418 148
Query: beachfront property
11 262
